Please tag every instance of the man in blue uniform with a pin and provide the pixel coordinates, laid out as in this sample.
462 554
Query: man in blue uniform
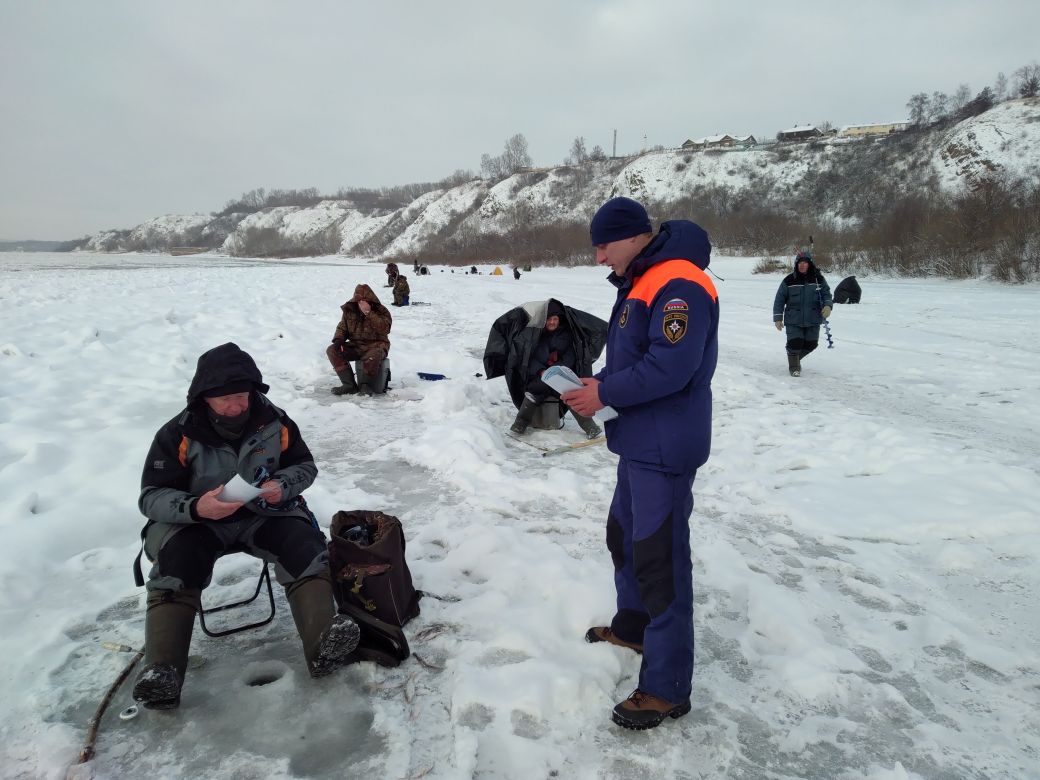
662 347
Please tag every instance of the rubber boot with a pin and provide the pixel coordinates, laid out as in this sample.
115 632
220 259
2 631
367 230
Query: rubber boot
168 623
794 364
328 639
525 415
588 425
349 384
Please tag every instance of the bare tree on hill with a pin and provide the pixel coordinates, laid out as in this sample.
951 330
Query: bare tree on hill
1027 80
1000 88
960 98
938 106
918 109
514 157
578 155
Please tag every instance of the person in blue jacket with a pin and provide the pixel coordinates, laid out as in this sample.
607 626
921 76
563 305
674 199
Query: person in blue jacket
662 347
802 303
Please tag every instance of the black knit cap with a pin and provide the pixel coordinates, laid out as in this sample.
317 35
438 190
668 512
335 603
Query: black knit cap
225 370
617 219
229 389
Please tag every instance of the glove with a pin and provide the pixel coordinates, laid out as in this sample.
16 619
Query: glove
826 312
779 324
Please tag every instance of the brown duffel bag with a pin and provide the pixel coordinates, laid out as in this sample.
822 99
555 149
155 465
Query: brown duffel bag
369 571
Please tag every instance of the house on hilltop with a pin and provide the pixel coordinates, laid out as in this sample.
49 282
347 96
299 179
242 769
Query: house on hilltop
799 133
884 128
724 141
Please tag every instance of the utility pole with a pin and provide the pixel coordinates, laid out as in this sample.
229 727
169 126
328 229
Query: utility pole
613 152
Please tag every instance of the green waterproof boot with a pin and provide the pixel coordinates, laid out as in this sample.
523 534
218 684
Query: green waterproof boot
525 415
168 623
328 639
349 384
588 425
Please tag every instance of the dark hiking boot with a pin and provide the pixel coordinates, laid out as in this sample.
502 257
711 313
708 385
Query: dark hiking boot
587 424
524 416
349 384
158 687
337 643
606 634
328 639
644 711
794 364
168 624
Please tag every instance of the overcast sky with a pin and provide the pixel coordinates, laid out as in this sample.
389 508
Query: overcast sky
115 112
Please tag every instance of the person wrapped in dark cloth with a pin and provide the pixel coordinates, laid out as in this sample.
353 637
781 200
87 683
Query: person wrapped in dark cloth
527 340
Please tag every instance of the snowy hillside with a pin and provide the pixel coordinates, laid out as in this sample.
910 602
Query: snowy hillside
1004 140
847 175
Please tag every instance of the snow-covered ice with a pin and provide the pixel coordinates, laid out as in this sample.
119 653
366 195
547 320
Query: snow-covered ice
865 536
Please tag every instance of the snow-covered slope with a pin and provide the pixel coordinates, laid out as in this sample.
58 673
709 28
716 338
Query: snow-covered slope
847 174
1004 140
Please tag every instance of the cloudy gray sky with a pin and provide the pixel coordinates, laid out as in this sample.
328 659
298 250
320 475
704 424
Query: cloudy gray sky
112 112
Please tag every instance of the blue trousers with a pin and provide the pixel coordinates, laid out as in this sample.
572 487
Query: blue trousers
648 535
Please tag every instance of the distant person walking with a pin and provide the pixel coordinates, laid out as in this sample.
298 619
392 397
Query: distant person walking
802 303
662 347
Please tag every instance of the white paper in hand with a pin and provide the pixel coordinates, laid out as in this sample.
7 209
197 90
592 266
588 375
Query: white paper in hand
237 489
561 379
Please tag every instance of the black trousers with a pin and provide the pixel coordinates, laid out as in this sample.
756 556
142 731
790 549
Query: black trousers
189 555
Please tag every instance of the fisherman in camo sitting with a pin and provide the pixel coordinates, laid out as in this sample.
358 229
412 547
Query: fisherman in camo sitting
363 334
401 291
229 428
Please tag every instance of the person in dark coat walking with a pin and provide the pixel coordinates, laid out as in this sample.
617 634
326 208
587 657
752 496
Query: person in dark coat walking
662 348
803 301
230 428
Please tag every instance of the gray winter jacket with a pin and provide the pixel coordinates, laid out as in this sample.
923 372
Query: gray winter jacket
188 457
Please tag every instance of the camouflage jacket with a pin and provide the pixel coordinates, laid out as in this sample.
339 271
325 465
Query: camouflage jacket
364 330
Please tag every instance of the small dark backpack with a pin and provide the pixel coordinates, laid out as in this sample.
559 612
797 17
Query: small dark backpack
372 583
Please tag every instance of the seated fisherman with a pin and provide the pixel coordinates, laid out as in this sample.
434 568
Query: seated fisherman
527 340
362 334
229 427
391 274
401 291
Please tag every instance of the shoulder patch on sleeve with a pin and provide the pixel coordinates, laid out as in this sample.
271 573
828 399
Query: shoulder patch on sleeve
676 304
675 325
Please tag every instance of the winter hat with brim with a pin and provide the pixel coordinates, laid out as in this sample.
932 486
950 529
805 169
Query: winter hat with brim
618 219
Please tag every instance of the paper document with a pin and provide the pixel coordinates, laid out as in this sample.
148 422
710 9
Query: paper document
237 489
561 379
